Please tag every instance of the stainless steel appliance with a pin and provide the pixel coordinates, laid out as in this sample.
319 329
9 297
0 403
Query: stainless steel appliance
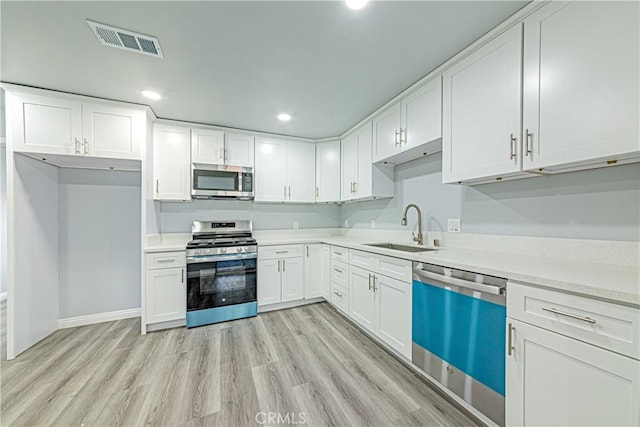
222 262
221 182
459 320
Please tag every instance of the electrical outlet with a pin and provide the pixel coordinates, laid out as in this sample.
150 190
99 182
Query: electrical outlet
373 224
453 225
296 225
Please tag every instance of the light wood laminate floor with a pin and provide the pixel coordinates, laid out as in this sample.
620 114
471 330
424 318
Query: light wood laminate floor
307 360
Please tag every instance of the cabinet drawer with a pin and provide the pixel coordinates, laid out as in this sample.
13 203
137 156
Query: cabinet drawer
607 325
340 298
280 251
165 260
362 259
395 268
339 254
340 273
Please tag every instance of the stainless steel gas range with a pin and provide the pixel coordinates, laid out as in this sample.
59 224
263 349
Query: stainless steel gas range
221 272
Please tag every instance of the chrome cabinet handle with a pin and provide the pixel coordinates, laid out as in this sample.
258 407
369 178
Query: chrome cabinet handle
573 316
370 277
403 136
182 275
157 187
352 187
510 347
338 253
289 192
166 260
528 148
78 151
278 266
283 265
337 269
375 280
86 147
226 154
355 186
317 192
397 138
338 294
307 251
285 192
512 141
282 252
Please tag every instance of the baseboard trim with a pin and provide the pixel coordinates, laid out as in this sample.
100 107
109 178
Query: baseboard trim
90 319
288 304
3 296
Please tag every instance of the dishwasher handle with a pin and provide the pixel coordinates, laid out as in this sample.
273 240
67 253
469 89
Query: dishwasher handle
489 289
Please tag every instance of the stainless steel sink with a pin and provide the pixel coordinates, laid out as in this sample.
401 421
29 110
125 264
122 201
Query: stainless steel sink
400 247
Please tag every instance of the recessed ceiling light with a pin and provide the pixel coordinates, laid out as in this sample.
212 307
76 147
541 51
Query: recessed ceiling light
151 94
356 4
284 117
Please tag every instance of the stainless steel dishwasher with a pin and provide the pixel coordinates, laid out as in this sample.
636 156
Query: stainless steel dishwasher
459 320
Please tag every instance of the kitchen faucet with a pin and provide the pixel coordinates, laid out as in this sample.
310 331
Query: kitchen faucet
417 238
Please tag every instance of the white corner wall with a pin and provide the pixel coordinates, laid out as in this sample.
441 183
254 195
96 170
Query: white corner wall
100 248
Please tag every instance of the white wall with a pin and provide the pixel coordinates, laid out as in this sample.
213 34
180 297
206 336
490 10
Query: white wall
99 241
595 204
177 217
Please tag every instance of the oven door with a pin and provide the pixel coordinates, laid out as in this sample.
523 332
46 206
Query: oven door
217 281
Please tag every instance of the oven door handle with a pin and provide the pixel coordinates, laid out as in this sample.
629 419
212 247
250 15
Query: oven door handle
225 257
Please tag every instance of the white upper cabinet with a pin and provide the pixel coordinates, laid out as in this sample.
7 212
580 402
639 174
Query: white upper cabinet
50 125
301 172
214 147
361 180
271 170
328 171
239 149
284 171
207 146
410 128
44 124
481 112
112 132
171 163
581 84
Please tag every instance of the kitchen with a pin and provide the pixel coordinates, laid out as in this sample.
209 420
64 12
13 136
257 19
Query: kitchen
507 295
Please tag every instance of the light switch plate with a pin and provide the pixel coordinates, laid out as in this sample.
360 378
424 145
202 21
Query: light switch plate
453 225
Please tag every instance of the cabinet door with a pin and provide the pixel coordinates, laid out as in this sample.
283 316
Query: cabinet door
362 297
422 115
386 133
171 163
292 279
364 168
207 146
328 171
348 162
581 86
269 281
45 125
301 172
239 150
112 132
313 271
481 111
325 289
166 295
559 381
393 313
271 170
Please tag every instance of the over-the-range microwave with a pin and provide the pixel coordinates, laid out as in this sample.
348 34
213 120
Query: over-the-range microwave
221 182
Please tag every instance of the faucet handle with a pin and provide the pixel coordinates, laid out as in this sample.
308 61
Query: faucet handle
415 238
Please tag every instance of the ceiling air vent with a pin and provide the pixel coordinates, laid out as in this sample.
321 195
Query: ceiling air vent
126 40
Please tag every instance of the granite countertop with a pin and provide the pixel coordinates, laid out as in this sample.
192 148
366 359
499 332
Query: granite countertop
608 282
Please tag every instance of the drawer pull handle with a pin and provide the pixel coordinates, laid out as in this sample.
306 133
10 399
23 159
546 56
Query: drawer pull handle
338 253
166 260
338 294
338 270
281 252
510 347
573 316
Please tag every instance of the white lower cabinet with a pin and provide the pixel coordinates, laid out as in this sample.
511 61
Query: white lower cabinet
378 303
165 287
554 380
280 274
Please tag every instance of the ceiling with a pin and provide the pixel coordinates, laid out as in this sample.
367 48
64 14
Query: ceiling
240 63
